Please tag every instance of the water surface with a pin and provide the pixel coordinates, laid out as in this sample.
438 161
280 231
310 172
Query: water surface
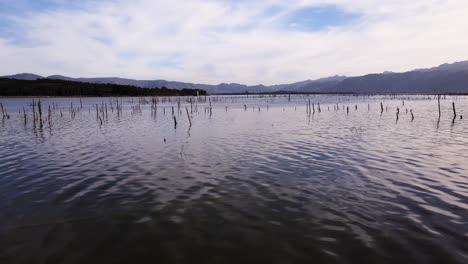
253 179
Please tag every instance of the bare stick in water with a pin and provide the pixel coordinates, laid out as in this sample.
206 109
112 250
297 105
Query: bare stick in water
3 111
397 113
25 116
438 102
190 121
39 107
454 112
49 118
34 111
210 107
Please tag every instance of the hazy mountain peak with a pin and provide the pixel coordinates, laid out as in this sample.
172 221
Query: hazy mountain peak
59 77
448 67
331 78
23 76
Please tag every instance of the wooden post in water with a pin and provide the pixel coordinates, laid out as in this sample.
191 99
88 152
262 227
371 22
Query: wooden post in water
34 111
381 108
3 111
210 107
49 118
190 121
412 115
454 112
39 107
438 103
25 116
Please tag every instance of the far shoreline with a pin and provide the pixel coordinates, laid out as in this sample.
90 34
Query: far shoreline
239 94
116 96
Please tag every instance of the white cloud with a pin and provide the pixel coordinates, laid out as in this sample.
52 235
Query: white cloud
229 41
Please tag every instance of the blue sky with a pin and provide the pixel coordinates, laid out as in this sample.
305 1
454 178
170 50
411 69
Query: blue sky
320 18
213 41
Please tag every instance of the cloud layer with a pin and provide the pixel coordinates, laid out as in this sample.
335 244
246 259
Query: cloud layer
250 42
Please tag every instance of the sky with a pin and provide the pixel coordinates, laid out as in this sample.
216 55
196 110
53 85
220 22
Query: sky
226 41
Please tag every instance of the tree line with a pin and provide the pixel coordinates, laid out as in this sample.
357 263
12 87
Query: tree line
49 87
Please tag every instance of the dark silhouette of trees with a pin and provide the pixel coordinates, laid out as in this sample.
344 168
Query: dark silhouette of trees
48 87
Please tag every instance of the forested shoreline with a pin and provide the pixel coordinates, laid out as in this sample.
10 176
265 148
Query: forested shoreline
50 87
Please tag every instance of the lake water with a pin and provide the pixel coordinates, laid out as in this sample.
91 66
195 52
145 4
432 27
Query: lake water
254 179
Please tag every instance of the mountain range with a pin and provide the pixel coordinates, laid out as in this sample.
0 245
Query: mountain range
446 78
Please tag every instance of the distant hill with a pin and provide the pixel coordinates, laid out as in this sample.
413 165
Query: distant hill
307 85
23 76
408 82
321 85
446 78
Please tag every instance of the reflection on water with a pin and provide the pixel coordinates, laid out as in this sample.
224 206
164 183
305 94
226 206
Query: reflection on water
253 179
